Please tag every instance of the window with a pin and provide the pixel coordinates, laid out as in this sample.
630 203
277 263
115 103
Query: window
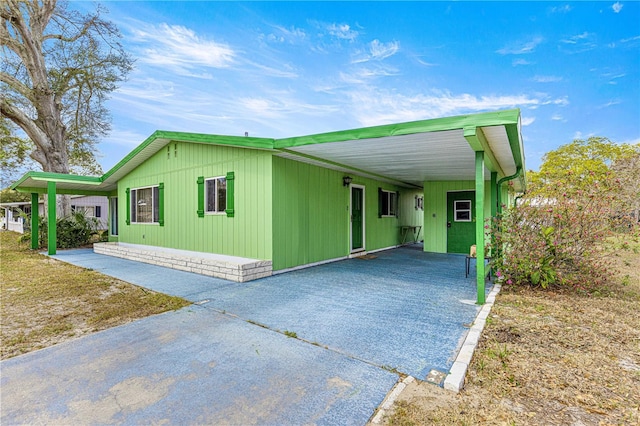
145 205
388 203
216 195
89 211
462 211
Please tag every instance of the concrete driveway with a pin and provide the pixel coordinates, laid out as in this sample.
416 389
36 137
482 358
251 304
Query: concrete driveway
227 359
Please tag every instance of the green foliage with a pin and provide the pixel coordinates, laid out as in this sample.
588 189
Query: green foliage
558 235
14 155
581 162
75 230
9 196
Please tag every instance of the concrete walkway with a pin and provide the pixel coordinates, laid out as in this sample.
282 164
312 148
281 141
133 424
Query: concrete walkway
227 360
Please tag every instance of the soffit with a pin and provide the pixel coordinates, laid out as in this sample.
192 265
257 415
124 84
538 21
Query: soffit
411 159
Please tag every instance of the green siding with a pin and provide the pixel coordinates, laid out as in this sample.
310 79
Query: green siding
178 166
311 214
380 232
435 211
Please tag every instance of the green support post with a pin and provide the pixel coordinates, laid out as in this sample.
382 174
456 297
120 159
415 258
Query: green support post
494 194
51 218
35 215
480 276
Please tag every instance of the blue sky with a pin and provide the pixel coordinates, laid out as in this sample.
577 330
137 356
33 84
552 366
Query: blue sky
278 69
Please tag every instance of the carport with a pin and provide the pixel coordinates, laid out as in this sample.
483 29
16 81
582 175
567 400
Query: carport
477 152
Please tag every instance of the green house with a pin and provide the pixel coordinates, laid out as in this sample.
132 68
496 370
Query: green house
242 208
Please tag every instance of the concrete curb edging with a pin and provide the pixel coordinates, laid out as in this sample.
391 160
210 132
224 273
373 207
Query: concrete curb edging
455 379
388 401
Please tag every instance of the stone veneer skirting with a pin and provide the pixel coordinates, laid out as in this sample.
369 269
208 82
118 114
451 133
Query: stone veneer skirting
238 269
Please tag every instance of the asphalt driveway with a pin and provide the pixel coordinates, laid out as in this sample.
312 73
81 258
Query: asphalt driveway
227 359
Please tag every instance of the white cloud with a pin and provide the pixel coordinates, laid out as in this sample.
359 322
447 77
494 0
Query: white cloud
281 34
627 40
377 51
383 50
371 107
561 9
181 49
558 117
521 47
579 43
128 138
287 71
576 38
341 31
547 79
617 7
610 103
527 120
520 61
426 64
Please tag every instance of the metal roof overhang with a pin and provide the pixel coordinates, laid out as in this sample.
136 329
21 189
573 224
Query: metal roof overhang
405 154
408 154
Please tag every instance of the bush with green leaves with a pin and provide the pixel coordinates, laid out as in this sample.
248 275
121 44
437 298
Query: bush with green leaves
75 230
559 234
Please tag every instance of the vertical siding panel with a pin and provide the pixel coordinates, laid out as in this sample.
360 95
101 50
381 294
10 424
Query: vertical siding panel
236 236
436 203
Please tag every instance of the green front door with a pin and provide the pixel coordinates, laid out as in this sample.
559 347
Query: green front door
357 215
461 221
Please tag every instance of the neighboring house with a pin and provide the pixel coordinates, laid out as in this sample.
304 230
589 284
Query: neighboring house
93 205
242 207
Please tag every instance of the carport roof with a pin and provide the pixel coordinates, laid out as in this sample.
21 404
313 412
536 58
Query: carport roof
406 154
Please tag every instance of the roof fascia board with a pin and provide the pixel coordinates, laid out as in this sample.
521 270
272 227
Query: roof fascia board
62 191
495 118
515 140
169 136
478 142
57 177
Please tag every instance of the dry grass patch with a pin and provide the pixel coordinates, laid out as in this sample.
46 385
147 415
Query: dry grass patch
45 301
547 358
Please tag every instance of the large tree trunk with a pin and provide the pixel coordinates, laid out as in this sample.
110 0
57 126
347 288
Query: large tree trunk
46 131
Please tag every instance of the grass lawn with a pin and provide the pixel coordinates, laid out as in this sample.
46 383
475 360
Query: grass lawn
45 301
547 358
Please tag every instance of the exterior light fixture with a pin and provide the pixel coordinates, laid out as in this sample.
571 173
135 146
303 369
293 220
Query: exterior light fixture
346 180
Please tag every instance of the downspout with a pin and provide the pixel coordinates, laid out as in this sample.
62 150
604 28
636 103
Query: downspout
503 180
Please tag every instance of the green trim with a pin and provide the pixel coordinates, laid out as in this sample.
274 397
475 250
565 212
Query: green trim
470 124
480 270
51 218
495 118
200 182
478 142
231 178
161 204
499 187
57 177
494 194
61 191
515 142
237 141
128 205
35 215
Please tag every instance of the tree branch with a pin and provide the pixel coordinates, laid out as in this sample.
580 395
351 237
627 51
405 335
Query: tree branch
37 136
17 85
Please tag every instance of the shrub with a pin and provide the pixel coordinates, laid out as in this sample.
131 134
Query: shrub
558 235
75 230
